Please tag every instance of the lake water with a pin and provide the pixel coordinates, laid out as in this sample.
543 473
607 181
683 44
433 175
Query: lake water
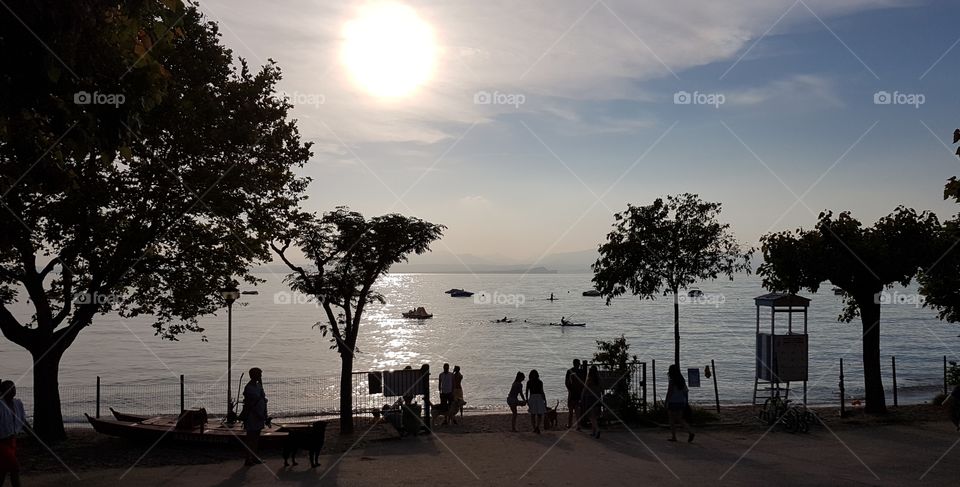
273 330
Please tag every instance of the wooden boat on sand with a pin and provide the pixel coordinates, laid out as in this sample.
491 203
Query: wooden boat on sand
187 427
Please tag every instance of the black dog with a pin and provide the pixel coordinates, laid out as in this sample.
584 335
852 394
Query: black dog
310 439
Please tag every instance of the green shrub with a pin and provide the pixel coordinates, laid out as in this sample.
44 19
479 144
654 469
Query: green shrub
953 373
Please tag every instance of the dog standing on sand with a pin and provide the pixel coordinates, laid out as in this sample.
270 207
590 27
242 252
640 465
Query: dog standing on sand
446 411
311 439
550 418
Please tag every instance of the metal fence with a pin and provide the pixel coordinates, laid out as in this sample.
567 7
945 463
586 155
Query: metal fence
289 397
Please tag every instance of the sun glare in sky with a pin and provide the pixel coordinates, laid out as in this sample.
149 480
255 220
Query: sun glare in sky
388 50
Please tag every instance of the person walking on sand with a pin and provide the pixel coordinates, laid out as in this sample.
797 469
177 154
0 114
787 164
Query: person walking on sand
12 420
254 414
536 400
574 383
516 398
677 402
458 401
592 400
445 380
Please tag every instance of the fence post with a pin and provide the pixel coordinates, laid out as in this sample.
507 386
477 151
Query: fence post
944 375
644 386
893 363
653 375
716 391
842 398
98 397
426 399
182 409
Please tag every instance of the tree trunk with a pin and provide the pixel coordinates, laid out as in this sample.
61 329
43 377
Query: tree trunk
872 381
676 328
47 417
346 394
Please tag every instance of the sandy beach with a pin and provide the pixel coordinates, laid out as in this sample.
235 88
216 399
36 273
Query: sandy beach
910 446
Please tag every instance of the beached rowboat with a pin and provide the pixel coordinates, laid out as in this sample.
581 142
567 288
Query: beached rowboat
165 427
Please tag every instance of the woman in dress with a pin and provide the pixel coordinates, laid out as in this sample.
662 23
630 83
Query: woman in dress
677 402
255 414
12 420
458 401
591 400
536 400
514 399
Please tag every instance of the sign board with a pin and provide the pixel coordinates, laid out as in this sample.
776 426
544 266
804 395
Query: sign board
782 358
405 382
791 357
693 377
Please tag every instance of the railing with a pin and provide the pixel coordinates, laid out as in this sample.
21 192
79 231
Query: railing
288 397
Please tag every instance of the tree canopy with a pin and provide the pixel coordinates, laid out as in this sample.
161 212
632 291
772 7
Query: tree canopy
348 253
140 169
859 260
665 247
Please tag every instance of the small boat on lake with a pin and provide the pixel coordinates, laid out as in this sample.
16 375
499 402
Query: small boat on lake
591 293
190 426
419 313
694 293
459 293
568 323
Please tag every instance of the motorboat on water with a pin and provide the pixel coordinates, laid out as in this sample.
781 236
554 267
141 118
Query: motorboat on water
694 293
459 293
419 313
591 293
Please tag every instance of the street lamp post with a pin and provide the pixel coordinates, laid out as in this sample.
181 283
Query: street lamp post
230 294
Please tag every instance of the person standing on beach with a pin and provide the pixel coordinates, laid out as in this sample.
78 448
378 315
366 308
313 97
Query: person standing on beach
677 402
536 400
592 400
12 420
515 398
445 380
458 401
574 384
254 414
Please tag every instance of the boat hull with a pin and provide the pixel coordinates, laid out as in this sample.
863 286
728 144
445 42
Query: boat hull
164 428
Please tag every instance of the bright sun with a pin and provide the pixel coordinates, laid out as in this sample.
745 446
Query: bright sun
388 50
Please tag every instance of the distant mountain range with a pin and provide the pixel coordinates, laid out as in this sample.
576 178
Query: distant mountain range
449 263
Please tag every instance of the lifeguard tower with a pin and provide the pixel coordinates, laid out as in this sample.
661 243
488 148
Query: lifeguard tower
781 359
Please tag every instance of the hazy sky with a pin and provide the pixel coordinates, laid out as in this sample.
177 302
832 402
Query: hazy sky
782 121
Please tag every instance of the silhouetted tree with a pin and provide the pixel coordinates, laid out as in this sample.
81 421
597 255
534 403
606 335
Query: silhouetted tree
860 261
348 254
940 282
140 169
664 248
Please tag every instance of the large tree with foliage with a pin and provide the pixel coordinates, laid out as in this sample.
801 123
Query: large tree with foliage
347 255
861 261
665 247
140 169
940 281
